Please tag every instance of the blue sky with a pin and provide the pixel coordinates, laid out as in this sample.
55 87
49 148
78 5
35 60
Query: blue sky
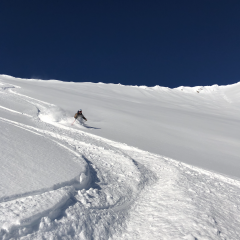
167 43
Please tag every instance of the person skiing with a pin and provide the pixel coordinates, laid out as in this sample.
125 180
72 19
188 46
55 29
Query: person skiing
79 114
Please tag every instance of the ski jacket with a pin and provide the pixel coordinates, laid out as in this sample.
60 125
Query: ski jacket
79 115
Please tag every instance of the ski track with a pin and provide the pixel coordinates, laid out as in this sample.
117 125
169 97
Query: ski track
128 193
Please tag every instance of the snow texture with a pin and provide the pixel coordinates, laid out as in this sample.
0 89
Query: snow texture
130 172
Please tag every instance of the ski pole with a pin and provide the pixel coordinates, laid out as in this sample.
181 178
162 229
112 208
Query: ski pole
73 121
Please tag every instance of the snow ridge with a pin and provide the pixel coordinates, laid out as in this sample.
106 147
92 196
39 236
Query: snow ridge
185 89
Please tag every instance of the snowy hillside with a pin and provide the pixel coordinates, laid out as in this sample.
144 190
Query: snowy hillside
130 172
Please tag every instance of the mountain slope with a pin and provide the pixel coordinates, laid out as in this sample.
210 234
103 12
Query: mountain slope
201 123
63 181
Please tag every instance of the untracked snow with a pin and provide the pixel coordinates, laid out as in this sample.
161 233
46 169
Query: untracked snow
130 172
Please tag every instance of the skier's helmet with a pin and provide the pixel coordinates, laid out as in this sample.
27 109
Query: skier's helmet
80 110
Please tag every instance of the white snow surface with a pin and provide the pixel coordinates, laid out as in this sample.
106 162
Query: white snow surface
150 162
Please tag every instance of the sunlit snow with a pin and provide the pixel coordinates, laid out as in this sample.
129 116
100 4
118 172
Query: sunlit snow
150 162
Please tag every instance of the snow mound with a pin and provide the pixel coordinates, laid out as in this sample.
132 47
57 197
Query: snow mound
28 168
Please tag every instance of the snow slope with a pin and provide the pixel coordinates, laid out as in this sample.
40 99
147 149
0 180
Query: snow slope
63 181
199 126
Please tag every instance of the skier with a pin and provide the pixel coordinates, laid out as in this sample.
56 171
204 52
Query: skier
79 114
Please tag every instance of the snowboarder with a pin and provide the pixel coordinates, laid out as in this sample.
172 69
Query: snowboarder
79 114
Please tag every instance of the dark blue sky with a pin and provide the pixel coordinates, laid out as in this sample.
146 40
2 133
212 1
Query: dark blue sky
167 43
